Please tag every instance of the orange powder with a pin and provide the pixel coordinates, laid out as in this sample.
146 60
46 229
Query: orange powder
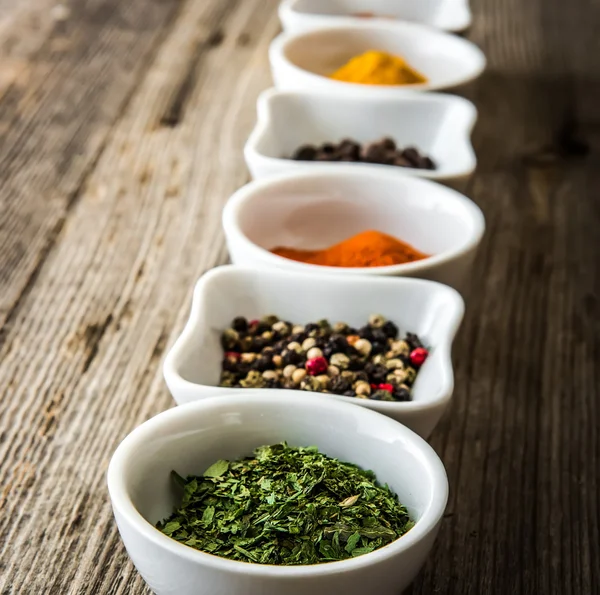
366 249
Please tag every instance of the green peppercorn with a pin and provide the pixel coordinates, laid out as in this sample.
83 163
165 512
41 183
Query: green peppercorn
270 320
227 379
411 375
253 379
340 360
310 383
229 339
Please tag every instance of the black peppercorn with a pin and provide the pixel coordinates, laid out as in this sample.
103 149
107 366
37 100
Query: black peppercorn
390 329
378 347
311 327
264 362
262 327
339 385
355 363
291 357
240 324
349 393
378 334
362 375
305 153
413 341
338 343
229 364
401 394
377 373
366 332
298 337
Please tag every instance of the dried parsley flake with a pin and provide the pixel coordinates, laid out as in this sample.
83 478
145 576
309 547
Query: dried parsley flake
286 506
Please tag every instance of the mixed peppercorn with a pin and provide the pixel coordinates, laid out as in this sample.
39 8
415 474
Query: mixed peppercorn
383 152
371 362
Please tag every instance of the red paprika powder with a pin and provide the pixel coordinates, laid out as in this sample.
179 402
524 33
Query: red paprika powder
366 249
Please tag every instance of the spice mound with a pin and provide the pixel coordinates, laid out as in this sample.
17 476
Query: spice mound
286 506
366 249
366 363
378 68
383 152
371 15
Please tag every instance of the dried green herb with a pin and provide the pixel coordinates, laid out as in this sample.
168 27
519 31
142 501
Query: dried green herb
286 506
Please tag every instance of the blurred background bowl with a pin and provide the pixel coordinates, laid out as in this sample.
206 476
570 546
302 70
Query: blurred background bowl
304 15
305 61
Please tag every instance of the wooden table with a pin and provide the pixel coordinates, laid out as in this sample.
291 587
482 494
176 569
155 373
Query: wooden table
121 128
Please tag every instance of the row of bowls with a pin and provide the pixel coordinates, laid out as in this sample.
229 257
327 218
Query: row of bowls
316 205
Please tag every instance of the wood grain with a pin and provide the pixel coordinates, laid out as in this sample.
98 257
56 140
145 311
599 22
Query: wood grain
121 133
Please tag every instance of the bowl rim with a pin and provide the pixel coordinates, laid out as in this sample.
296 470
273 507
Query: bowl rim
124 505
279 45
233 207
288 12
176 382
264 121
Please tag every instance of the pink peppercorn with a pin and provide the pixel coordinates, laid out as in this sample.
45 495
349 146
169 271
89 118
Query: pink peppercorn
418 356
385 386
316 366
232 354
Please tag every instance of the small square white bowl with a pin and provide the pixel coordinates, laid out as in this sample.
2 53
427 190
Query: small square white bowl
305 61
437 124
304 15
434 311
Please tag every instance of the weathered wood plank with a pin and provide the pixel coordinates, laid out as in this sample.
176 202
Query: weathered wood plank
69 77
143 229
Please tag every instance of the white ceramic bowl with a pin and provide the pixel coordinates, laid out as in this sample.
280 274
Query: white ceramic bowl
304 15
437 124
190 438
304 61
316 208
433 311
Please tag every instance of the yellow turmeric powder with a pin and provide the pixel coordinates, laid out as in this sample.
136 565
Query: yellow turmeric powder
378 68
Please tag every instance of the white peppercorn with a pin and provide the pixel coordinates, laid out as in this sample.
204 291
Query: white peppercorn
362 388
314 352
308 343
333 371
298 375
363 346
289 370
